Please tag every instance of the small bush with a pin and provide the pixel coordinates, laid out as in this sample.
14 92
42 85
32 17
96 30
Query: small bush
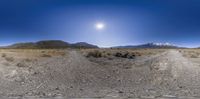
3 55
131 55
137 54
43 51
108 54
10 59
27 60
21 64
63 54
125 55
96 54
46 55
118 54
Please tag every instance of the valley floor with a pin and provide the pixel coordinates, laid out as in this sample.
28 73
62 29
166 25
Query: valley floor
162 74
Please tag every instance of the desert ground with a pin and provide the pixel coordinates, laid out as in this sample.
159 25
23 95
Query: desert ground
100 73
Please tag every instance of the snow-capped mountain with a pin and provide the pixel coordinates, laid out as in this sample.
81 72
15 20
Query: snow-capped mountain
161 44
150 45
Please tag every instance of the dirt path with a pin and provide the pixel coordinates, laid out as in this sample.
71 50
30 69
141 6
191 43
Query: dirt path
180 68
184 69
174 74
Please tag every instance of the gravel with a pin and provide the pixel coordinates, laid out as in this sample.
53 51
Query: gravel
162 76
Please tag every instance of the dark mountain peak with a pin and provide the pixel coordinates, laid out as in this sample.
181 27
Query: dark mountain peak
23 45
84 45
52 44
51 41
81 43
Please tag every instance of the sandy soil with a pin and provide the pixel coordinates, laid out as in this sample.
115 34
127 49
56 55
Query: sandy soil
164 75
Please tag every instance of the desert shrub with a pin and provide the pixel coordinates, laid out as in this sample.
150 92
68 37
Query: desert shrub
194 56
125 55
10 59
108 54
95 54
43 51
63 54
21 64
3 55
105 55
118 54
45 55
131 55
27 60
137 54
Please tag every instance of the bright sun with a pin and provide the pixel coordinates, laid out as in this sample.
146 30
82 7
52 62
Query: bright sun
100 26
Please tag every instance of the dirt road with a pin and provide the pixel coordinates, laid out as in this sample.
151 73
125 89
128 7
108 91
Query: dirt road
176 75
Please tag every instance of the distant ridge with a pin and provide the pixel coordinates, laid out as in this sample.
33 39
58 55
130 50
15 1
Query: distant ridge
83 44
150 45
48 44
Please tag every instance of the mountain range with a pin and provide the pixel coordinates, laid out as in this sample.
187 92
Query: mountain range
150 45
62 44
52 44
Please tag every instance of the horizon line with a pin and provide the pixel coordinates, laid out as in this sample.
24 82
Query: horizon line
4 45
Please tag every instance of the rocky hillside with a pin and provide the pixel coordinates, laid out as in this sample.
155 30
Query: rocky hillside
52 44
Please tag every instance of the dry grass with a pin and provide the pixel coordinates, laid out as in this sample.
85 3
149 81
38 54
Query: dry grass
190 53
32 53
120 53
24 57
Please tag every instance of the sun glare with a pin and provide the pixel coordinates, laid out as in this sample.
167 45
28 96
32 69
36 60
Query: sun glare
100 26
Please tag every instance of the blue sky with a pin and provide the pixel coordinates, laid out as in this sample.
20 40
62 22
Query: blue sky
127 22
